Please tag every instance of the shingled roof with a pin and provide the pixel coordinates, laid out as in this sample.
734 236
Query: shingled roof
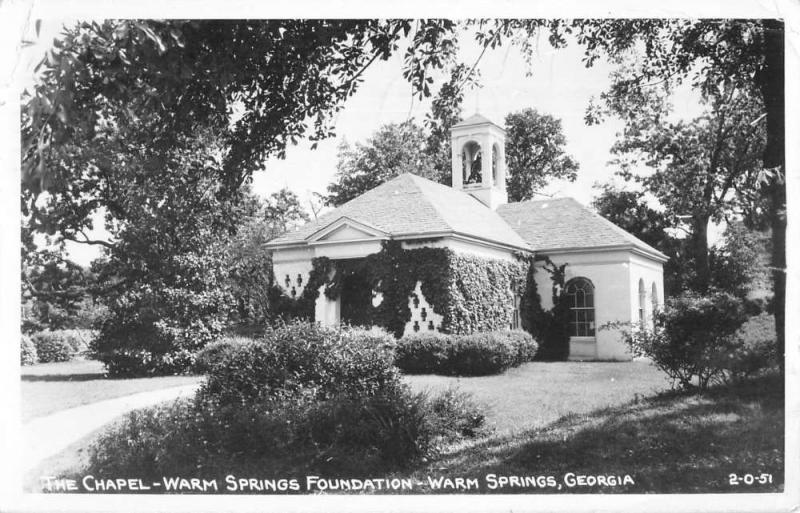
564 224
409 205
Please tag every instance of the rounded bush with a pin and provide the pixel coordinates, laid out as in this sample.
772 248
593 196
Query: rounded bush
422 353
27 351
300 358
465 355
52 346
692 339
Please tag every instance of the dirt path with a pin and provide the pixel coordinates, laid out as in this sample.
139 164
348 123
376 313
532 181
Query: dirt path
46 436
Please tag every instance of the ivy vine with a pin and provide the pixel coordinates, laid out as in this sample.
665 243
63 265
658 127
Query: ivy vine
471 293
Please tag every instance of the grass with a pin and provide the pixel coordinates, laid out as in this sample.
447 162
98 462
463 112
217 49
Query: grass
51 387
537 394
597 419
669 443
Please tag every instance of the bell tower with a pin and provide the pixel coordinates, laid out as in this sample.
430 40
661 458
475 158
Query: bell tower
479 160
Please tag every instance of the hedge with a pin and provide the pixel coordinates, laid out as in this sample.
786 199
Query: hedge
299 358
52 346
27 351
465 355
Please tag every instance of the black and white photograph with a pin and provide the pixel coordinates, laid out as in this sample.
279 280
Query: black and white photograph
453 259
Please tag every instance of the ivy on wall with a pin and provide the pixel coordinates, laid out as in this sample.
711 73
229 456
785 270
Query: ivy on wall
548 327
471 293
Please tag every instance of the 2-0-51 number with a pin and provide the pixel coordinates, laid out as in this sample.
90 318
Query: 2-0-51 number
749 479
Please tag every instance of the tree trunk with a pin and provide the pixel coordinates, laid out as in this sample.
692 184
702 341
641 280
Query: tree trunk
771 82
701 262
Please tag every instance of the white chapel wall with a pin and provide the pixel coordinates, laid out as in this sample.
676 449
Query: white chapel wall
609 272
649 272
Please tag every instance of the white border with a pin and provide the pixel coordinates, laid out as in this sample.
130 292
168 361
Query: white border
15 14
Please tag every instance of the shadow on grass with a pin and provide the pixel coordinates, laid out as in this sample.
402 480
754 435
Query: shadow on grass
670 443
63 377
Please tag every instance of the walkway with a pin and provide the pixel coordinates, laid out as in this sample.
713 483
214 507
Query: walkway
49 435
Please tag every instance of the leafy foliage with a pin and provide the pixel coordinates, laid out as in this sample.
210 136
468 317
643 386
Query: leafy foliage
249 266
549 328
302 399
692 338
300 358
53 288
27 351
392 150
739 264
477 354
52 346
535 153
753 348
164 274
446 112
714 159
343 436
471 293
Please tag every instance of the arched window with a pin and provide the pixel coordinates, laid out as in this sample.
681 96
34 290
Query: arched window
580 294
642 298
495 156
471 158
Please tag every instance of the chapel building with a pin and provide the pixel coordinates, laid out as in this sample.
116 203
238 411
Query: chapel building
610 275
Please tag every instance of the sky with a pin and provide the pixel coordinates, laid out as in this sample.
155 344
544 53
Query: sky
556 82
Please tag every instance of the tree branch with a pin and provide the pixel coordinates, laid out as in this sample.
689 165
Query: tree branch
87 240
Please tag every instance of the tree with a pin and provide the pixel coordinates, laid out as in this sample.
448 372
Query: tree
628 210
250 273
535 153
714 55
156 125
446 112
53 288
738 265
163 276
392 150
714 161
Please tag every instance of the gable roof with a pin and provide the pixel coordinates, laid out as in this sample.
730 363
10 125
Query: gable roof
409 205
565 224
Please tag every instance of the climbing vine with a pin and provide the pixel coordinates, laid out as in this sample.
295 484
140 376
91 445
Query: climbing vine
548 327
470 293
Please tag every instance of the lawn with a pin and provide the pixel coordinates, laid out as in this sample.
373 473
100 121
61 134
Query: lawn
50 387
551 419
536 394
668 443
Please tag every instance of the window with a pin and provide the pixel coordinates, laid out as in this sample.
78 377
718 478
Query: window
580 295
642 298
495 154
471 161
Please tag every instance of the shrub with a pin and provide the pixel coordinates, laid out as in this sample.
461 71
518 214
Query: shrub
297 358
422 353
154 329
753 349
466 355
27 351
52 346
343 436
455 414
691 338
